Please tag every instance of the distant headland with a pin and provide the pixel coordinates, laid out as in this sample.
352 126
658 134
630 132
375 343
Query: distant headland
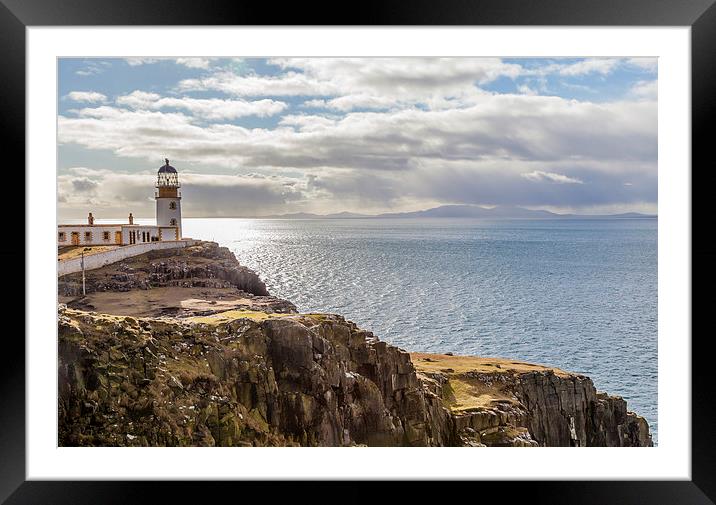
463 211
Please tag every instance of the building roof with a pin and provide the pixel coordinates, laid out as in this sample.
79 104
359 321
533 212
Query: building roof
167 168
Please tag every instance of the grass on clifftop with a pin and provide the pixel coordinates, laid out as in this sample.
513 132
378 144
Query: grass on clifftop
68 252
231 315
468 394
457 365
464 391
254 315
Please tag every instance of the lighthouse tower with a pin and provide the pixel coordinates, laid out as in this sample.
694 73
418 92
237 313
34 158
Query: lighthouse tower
168 197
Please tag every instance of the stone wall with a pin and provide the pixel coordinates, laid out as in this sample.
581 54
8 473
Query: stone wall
98 260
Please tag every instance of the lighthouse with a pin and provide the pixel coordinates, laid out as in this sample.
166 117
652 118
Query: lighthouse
167 229
168 197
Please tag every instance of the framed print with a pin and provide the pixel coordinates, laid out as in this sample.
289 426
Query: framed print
435 243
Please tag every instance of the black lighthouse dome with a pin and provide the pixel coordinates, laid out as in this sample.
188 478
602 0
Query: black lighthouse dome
167 168
167 177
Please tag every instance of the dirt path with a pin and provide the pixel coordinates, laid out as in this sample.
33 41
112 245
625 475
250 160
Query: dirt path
170 301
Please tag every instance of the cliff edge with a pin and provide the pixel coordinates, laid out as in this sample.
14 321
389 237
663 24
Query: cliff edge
215 361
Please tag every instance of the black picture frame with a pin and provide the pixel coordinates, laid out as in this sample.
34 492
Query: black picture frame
700 15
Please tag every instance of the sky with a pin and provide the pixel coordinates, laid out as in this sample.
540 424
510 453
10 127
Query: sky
255 137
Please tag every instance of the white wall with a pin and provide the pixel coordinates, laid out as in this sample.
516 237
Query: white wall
152 230
165 214
97 232
99 260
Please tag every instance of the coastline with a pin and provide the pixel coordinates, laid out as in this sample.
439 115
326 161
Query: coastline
213 359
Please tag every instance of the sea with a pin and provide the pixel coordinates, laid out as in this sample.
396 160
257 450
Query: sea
577 294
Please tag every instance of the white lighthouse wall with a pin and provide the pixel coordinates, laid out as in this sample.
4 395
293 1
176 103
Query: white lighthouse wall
169 233
165 214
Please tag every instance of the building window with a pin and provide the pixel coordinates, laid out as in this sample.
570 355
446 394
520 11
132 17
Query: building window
88 236
172 222
172 205
61 236
105 235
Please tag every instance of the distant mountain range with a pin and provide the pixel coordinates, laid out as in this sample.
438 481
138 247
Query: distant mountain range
455 211
309 215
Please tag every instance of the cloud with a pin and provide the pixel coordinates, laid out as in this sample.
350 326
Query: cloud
540 176
589 66
93 68
83 184
200 63
195 62
209 108
526 90
351 102
114 194
360 82
138 99
502 127
86 96
646 90
288 84
601 66
345 84
647 64
489 184
135 62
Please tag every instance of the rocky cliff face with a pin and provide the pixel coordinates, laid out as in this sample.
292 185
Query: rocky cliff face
204 265
500 402
254 378
259 379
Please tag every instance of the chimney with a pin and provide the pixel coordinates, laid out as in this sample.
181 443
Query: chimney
90 219
131 218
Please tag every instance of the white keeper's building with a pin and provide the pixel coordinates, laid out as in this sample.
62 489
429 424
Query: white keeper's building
168 227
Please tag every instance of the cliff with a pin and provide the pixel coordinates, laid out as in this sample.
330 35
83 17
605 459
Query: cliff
206 265
501 402
246 369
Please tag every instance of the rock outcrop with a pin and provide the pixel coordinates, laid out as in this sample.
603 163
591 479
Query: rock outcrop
500 402
203 265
